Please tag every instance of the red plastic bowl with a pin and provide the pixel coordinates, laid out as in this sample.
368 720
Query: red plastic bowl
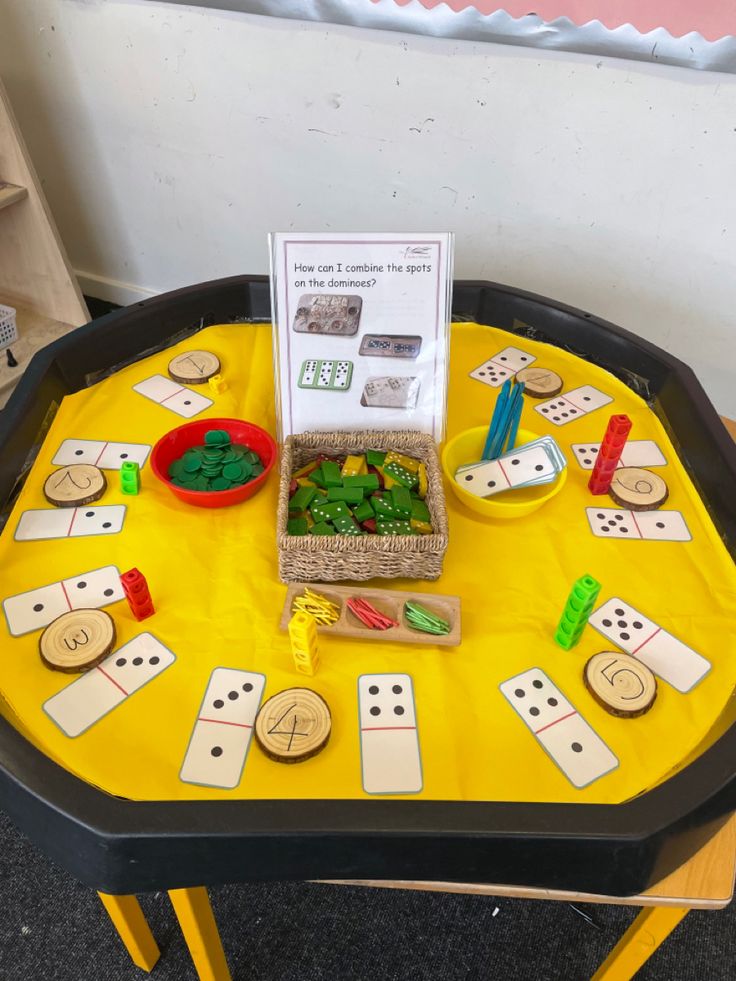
171 446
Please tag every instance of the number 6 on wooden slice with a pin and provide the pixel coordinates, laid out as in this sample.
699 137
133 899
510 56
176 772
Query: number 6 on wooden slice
389 742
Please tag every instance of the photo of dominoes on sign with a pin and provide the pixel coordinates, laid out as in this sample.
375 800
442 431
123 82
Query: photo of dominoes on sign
221 737
501 366
665 655
389 742
47 523
90 698
331 375
650 526
171 395
106 456
572 405
391 392
562 732
36 608
636 453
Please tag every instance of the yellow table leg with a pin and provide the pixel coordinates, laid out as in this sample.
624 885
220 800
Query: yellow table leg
192 907
650 929
129 921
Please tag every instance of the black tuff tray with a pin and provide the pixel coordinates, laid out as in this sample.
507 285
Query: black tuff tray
121 846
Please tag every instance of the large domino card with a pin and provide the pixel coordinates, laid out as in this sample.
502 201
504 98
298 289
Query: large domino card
361 326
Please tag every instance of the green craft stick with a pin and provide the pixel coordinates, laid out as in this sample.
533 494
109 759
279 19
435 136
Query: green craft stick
297 526
422 619
351 495
301 500
331 474
374 458
369 481
322 528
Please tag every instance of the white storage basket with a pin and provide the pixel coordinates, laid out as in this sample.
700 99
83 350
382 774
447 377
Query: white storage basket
8 330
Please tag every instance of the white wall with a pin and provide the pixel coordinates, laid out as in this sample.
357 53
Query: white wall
171 140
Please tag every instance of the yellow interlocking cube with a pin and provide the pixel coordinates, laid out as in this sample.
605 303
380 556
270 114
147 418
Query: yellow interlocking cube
304 647
217 384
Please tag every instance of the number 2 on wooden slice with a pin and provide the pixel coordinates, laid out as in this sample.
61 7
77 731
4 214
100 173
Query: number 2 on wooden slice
621 684
194 367
77 640
74 485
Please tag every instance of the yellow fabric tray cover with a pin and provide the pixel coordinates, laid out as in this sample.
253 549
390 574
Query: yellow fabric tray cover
213 579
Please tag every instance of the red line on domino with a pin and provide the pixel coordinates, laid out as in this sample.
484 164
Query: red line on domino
550 724
71 523
384 728
101 452
222 722
633 518
66 595
646 641
504 472
113 681
182 389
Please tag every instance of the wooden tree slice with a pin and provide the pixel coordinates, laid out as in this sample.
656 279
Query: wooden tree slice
77 640
622 685
638 489
293 725
194 367
72 486
540 383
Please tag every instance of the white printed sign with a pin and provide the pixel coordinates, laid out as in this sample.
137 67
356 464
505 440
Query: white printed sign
379 306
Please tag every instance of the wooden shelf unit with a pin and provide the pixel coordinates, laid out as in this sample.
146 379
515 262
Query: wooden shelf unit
10 193
35 275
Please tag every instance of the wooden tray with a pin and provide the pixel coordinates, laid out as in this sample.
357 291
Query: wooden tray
391 603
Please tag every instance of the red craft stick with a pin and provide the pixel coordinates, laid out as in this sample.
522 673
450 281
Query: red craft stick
612 447
369 615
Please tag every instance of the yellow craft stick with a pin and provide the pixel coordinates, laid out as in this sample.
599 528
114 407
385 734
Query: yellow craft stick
323 610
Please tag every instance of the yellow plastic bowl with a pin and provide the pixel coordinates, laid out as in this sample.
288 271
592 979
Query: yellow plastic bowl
467 447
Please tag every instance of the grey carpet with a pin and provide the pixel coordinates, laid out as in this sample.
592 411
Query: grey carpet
53 929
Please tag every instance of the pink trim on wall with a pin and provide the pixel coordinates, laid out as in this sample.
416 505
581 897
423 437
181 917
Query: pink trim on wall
711 18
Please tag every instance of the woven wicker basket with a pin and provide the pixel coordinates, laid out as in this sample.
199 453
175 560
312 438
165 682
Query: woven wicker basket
322 558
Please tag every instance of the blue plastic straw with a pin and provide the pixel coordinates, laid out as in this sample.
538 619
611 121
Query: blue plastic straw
518 392
502 431
498 412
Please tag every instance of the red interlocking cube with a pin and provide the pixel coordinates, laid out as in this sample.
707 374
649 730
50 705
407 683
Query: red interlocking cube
137 594
612 447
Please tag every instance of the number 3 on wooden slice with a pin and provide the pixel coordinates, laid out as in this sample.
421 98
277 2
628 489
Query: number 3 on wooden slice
77 640
621 684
